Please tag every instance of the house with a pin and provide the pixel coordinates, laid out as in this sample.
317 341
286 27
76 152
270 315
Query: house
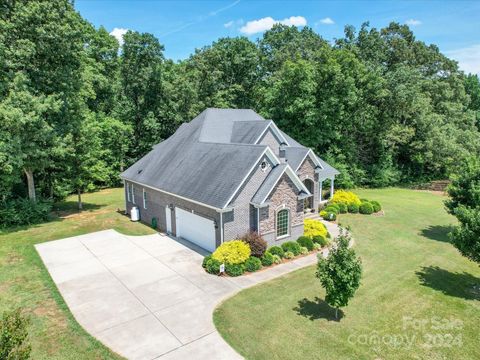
227 172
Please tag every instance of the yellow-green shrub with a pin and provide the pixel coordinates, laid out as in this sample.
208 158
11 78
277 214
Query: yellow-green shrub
312 228
232 252
346 197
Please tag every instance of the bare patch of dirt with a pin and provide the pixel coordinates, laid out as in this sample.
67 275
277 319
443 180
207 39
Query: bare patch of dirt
49 309
12 259
434 192
380 213
82 215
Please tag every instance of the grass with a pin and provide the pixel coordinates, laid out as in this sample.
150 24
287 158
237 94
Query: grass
416 300
24 281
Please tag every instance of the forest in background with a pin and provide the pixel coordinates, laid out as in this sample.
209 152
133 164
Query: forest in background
76 108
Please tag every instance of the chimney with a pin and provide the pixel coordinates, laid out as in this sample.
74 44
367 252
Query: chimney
281 151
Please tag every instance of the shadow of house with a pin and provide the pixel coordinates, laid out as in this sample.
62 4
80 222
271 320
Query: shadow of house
437 232
461 285
317 309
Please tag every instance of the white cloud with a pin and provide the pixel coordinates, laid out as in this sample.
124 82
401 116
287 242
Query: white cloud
413 22
256 26
327 21
468 58
229 24
118 34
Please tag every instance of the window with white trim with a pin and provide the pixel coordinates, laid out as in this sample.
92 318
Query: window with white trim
144 199
133 194
129 192
282 222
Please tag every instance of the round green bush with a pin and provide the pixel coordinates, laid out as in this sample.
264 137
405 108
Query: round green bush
376 206
289 255
353 208
253 264
304 250
331 208
334 206
234 269
366 208
276 250
267 259
205 259
291 246
330 216
306 242
320 240
317 246
277 259
212 266
342 208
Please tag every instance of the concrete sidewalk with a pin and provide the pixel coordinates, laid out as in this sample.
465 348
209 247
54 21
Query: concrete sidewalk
147 297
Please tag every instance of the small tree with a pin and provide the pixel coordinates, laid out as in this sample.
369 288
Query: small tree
340 273
464 203
13 335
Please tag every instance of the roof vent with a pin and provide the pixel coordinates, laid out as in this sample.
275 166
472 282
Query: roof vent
139 171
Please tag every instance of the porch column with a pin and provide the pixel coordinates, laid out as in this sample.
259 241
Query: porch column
331 187
320 182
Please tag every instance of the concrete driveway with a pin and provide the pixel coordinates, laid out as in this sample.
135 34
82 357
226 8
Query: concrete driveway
146 297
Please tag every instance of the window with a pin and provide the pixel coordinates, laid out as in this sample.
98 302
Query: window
144 199
133 194
129 192
282 223
264 165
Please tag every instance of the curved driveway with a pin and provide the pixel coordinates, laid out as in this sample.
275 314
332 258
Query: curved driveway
147 297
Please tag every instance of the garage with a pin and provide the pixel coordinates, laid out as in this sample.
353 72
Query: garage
195 228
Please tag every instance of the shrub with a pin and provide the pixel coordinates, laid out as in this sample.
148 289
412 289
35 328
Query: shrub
19 212
205 259
376 206
267 259
289 255
312 228
329 216
304 250
320 240
306 242
276 250
333 209
366 208
13 336
317 246
277 259
346 197
212 266
232 252
333 205
257 244
253 264
353 208
234 269
342 208
291 246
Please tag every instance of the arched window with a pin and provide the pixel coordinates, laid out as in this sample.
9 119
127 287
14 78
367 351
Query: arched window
282 222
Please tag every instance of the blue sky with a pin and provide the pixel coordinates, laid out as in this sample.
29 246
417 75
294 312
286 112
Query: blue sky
183 26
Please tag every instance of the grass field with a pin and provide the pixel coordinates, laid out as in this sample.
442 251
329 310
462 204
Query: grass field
24 281
415 302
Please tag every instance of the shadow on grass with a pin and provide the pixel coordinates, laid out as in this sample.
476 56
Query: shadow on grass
437 232
317 309
461 285
65 208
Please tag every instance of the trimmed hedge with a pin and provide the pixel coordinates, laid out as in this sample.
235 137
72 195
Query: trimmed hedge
257 244
234 269
319 239
346 197
366 208
304 250
277 259
305 241
291 246
327 215
342 208
267 259
213 266
205 259
313 227
353 208
276 250
289 255
376 206
253 264
232 252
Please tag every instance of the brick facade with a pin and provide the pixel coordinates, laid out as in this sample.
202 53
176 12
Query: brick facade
307 171
283 196
271 141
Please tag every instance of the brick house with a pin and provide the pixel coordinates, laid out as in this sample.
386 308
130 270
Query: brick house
227 172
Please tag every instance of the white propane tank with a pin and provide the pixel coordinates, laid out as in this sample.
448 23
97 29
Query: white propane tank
134 214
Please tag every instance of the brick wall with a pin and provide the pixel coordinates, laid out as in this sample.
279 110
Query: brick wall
284 195
242 219
157 201
307 171
270 140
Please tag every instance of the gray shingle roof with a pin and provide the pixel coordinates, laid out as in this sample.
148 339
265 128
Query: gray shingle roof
207 159
295 155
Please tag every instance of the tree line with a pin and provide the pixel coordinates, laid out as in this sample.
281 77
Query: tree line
76 108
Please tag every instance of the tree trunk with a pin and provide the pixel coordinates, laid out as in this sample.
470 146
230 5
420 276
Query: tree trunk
31 184
79 192
336 313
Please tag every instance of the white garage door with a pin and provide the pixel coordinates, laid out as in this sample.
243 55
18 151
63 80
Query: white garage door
195 228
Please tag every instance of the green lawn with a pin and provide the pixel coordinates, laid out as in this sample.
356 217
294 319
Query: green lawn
415 299
24 281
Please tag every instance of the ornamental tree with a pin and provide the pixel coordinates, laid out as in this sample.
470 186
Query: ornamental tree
464 204
340 273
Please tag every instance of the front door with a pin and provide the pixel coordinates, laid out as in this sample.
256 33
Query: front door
308 202
168 216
